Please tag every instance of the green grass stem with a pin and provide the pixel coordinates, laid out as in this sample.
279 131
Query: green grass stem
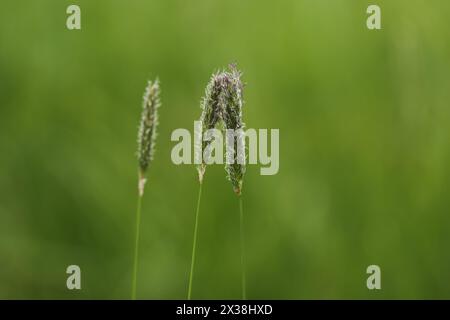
194 244
243 274
136 248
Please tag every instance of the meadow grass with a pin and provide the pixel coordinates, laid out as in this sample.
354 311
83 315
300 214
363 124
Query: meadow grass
146 149
222 108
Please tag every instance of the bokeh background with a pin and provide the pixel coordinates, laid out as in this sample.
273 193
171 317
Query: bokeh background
364 123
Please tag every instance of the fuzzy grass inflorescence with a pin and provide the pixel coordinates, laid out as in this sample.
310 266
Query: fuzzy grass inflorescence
147 129
232 117
212 106
146 150
222 109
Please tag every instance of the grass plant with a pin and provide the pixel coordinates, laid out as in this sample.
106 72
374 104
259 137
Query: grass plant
146 150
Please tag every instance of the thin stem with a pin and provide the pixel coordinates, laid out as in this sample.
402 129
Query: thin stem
244 289
194 245
136 247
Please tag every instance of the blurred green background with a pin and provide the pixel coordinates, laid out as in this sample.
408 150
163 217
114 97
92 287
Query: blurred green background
364 123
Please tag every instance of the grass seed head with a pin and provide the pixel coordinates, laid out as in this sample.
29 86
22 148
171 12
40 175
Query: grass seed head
213 106
232 118
222 106
147 129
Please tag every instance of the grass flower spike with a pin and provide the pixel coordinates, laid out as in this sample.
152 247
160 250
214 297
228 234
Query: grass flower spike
213 107
235 164
212 112
147 130
222 107
146 149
